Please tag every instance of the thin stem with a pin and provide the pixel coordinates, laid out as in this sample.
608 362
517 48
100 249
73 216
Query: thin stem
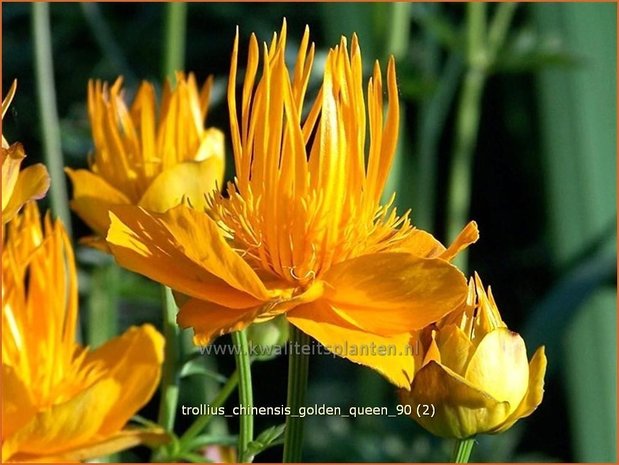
467 125
175 26
398 32
298 367
50 127
103 305
499 26
243 366
202 422
169 377
463 449
434 114
481 53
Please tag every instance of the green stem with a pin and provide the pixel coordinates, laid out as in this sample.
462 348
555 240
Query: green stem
482 49
169 377
103 305
174 53
243 365
50 127
499 26
298 366
463 449
467 125
202 422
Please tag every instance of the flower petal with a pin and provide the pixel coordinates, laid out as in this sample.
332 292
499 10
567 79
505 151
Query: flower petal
134 361
93 197
421 244
390 356
12 158
424 244
17 407
469 235
192 180
32 184
184 249
455 348
460 409
500 366
66 426
122 440
391 293
210 320
535 393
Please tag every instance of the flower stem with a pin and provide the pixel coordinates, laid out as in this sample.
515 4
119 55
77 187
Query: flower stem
202 422
243 366
174 54
50 127
463 449
169 378
297 386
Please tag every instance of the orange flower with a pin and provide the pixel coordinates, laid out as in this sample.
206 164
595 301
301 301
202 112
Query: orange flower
18 187
61 401
142 159
301 231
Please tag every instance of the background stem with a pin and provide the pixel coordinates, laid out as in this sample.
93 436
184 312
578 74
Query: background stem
481 52
298 367
243 366
175 26
50 128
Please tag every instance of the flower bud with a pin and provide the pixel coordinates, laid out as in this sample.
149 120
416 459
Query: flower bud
474 371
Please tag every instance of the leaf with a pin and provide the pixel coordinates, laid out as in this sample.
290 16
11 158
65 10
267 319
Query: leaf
195 367
211 439
528 51
268 438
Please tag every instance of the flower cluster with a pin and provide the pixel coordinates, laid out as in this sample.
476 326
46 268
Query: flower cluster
61 401
300 236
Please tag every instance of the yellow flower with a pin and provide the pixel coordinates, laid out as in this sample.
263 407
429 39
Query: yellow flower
144 159
18 187
61 401
301 231
474 372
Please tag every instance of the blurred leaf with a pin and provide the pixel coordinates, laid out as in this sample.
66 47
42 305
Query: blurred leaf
528 51
578 120
196 366
447 34
550 317
591 375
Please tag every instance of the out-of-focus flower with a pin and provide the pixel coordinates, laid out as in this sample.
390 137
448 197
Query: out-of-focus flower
61 401
302 231
474 372
146 157
219 454
18 187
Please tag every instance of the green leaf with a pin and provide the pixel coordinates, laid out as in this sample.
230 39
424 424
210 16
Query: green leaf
210 439
194 367
268 438
528 51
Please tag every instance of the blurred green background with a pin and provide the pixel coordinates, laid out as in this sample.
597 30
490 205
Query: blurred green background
509 118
